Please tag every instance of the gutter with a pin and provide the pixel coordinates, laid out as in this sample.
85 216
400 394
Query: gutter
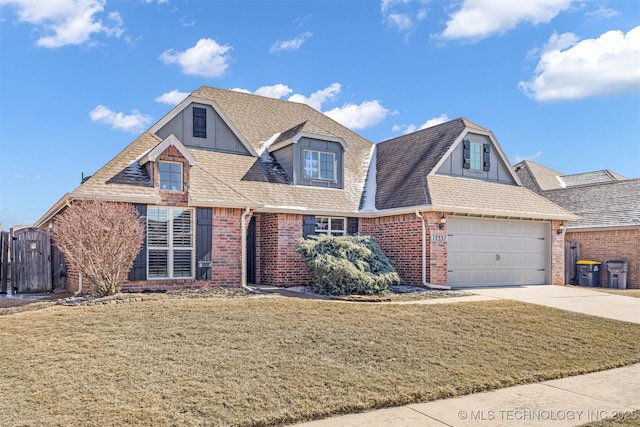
424 257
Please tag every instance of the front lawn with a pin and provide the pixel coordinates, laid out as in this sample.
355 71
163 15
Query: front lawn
270 360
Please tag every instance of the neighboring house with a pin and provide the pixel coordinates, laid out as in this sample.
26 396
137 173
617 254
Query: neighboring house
608 206
229 182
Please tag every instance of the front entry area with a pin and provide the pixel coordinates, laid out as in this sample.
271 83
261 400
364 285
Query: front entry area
497 252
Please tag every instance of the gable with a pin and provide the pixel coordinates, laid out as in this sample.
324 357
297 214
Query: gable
492 165
215 134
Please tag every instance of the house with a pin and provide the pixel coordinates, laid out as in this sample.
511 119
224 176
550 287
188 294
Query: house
229 182
608 206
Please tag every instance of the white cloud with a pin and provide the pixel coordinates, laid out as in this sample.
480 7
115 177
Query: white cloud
608 65
401 14
603 12
293 44
405 129
172 98
319 97
135 122
359 116
66 22
276 91
518 158
27 177
477 19
353 116
206 59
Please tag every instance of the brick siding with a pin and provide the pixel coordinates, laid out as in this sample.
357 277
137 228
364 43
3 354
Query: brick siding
400 238
278 263
610 245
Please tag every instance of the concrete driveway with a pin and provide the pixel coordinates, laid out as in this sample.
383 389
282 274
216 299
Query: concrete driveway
578 299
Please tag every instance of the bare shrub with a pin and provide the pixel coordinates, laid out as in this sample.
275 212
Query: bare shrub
100 239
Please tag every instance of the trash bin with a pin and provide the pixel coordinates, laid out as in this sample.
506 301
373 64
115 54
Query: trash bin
617 273
588 272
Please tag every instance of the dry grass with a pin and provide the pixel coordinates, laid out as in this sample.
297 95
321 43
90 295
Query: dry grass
631 418
624 292
273 360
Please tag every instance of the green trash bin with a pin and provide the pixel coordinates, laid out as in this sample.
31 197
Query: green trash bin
588 272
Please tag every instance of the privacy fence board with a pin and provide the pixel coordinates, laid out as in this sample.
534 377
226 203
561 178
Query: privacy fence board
31 260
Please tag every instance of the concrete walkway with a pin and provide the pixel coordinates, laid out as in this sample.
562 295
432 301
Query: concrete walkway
565 402
578 299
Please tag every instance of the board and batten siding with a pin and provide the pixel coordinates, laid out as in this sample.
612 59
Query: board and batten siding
498 171
219 135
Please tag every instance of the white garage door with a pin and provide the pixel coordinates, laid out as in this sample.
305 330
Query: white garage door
483 252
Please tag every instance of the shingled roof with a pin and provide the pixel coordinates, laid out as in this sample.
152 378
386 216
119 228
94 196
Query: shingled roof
403 163
601 205
223 179
540 178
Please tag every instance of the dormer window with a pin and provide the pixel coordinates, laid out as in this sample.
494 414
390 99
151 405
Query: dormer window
170 176
319 165
476 156
199 122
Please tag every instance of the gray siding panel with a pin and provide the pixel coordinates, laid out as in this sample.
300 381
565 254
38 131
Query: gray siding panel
315 144
219 135
498 171
284 156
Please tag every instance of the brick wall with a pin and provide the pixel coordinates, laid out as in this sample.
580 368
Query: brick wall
173 198
227 247
400 238
610 245
557 254
278 263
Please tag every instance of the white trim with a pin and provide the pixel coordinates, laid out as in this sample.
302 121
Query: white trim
294 140
194 100
152 155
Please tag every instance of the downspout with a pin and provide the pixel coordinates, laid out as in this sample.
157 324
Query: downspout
424 257
76 293
243 244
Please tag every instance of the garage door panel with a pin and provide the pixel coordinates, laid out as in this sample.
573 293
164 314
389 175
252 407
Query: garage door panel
488 252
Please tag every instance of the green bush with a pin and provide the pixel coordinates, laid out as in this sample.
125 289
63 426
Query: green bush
347 265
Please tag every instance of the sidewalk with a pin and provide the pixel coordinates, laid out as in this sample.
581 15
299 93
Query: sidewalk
569 401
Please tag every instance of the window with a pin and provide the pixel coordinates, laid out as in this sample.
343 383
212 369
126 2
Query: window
170 176
199 122
319 165
330 226
476 156
170 243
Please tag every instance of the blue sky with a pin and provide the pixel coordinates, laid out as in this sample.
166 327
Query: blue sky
557 81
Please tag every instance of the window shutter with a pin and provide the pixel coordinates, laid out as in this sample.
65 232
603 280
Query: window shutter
486 164
352 226
204 232
139 269
466 154
199 122
308 225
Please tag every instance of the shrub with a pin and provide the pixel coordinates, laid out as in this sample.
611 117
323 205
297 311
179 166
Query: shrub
347 265
100 239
